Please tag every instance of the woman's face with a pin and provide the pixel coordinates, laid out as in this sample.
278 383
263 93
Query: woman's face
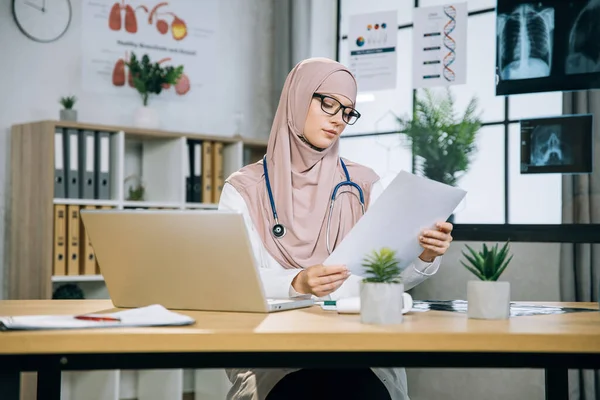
322 129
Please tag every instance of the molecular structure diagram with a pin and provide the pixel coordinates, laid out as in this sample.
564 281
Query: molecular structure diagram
449 43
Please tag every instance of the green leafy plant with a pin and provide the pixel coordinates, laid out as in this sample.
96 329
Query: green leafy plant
382 267
150 77
68 102
488 264
442 142
137 191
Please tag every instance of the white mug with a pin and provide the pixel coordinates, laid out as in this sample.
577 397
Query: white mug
351 305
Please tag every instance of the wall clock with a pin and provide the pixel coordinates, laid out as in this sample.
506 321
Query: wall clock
42 20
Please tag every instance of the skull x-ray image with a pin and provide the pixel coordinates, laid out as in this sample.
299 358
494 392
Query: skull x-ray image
549 147
561 144
584 41
525 42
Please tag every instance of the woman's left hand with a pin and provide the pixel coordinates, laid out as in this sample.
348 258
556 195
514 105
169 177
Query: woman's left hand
435 242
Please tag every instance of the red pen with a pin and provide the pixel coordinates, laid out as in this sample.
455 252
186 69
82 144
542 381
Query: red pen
97 318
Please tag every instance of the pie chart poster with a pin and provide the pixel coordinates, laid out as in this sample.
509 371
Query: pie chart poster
177 32
373 56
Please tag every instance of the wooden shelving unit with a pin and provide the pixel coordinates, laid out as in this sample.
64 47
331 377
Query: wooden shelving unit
157 157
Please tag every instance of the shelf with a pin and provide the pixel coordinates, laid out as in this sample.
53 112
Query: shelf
87 202
208 206
157 159
152 204
78 278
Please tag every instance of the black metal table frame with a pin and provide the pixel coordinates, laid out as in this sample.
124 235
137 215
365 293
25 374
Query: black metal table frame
50 366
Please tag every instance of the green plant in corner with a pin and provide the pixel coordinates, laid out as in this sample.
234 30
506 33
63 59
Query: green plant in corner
68 102
442 143
151 78
488 264
382 267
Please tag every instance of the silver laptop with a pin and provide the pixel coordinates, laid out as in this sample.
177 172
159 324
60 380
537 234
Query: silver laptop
183 260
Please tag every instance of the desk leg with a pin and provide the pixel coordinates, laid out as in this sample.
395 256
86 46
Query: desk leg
48 385
557 383
10 385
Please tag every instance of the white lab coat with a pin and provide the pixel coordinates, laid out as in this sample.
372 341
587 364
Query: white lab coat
256 384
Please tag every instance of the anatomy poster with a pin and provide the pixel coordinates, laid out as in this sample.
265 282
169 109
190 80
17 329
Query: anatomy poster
373 55
440 45
177 32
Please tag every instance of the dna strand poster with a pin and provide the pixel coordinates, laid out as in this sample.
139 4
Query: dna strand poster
373 58
440 45
171 33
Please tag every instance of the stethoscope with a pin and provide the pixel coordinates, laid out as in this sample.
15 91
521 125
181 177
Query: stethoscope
279 230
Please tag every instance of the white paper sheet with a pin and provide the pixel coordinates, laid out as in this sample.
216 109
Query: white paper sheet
154 315
372 42
440 45
407 206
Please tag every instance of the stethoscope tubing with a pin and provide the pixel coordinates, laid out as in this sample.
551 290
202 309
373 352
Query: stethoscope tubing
279 230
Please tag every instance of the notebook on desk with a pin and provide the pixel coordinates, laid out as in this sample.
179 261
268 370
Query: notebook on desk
153 315
186 260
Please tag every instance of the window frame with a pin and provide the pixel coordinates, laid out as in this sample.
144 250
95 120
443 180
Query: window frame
550 233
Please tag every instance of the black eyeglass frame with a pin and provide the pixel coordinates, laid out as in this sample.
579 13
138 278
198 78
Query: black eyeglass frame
342 107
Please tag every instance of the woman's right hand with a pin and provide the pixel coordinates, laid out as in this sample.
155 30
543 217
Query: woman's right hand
320 280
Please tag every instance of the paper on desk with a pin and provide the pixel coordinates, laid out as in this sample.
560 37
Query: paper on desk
154 315
407 206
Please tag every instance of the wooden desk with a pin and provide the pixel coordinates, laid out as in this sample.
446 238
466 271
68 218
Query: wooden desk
316 337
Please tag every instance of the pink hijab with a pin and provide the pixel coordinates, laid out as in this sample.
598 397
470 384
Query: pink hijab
302 178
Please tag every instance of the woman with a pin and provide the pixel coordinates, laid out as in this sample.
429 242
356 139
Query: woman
303 167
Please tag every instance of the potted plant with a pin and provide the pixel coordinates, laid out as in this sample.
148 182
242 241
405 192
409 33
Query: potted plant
136 191
442 143
150 78
68 113
382 294
486 297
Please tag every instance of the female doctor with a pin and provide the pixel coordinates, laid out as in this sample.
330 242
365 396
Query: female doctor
285 199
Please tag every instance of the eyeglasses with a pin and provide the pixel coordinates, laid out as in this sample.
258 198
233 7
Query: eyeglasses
331 106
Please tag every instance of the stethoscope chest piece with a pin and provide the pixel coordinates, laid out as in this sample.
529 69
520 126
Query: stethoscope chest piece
278 230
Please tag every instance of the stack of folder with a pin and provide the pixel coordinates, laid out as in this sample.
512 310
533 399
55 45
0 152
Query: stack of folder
73 252
82 163
204 171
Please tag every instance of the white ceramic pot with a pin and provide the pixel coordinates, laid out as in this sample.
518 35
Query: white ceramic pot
68 115
146 117
383 303
488 300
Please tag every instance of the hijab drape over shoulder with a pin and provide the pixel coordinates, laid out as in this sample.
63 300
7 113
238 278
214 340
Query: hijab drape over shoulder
301 177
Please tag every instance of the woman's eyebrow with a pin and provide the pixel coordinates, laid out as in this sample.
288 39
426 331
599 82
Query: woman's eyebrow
345 101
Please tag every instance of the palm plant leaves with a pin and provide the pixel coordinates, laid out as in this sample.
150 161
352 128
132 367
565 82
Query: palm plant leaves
442 142
489 263
382 266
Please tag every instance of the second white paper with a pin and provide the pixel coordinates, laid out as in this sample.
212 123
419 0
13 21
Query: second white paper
407 206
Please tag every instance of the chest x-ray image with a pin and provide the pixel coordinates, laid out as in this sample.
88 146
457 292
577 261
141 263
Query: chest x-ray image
525 42
584 41
549 147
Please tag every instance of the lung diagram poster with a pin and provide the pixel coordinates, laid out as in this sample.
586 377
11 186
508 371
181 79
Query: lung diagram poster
172 33
373 57
440 45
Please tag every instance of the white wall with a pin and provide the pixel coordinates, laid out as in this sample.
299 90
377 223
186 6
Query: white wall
33 76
